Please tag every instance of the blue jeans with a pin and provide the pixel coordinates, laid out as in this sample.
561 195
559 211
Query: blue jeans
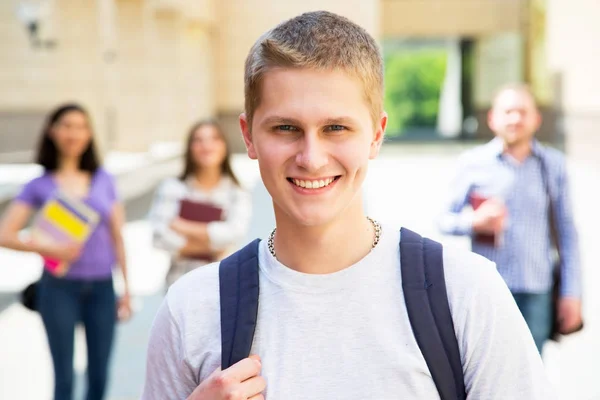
537 311
63 303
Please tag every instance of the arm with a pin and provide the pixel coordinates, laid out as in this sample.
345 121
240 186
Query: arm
217 236
500 360
569 306
454 220
162 211
168 374
568 238
14 220
117 220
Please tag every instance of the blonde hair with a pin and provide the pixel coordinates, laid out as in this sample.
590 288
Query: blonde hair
318 40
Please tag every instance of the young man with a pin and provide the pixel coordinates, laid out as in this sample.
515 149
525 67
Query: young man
331 320
513 177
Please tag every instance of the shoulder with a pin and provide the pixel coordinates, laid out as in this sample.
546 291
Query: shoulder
238 192
105 177
476 291
465 271
102 174
194 300
230 184
172 186
36 190
477 155
39 182
551 153
553 157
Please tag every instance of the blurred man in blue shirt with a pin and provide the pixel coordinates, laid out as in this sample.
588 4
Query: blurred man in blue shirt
500 197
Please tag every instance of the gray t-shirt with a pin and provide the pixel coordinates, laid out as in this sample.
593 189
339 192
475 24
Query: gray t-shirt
347 335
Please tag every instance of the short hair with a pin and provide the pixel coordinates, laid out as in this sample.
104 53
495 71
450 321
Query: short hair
318 40
519 87
48 154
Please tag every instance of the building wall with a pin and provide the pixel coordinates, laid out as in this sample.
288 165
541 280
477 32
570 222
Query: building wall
34 80
574 59
144 69
438 18
147 69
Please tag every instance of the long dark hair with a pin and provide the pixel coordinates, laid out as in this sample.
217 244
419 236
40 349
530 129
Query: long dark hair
190 166
48 155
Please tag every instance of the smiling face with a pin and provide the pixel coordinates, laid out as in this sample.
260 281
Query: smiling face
313 136
208 148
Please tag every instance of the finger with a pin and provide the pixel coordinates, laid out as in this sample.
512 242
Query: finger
257 397
253 386
243 370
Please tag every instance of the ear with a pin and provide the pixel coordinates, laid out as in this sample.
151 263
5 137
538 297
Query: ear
379 135
247 135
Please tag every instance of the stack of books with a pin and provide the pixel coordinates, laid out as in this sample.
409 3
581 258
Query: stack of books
63 220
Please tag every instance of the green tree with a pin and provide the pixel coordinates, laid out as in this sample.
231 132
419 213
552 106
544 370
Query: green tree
413 81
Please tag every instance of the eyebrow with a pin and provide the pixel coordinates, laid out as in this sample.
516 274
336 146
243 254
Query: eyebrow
276 119
292 121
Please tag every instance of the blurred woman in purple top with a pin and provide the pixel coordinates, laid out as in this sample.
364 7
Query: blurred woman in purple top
85 294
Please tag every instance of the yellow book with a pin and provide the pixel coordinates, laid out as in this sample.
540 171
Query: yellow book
63 220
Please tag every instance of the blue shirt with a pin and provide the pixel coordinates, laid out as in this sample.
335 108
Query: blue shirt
524 256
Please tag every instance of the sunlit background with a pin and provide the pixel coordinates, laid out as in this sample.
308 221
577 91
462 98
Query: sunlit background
147 69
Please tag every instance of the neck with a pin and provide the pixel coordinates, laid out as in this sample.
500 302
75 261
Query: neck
208 177
68 165
519 151
327 248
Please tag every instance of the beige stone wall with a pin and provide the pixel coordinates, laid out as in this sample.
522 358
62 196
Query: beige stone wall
574 58
163 70
435 18
144 68
36 80
147 69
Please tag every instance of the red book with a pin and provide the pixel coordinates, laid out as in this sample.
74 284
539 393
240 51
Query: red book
476 200
200 212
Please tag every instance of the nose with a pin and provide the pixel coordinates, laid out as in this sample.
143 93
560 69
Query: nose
312 155
515 117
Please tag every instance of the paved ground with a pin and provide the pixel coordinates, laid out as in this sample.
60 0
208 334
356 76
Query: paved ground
405 186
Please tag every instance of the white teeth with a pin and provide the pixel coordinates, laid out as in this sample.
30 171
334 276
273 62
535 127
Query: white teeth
313 184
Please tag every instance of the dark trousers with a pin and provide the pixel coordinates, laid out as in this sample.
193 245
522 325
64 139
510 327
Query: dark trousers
537 311
63 303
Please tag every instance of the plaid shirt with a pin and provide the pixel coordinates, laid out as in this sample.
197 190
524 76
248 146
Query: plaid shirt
524 258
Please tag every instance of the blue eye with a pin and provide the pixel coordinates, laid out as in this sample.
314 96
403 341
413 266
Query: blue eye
336 128
286 128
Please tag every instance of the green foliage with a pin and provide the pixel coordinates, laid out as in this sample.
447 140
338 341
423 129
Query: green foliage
413 80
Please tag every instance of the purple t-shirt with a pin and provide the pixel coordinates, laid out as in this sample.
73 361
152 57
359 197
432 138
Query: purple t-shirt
98 254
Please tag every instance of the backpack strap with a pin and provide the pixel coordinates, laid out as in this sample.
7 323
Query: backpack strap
429 312
238 290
